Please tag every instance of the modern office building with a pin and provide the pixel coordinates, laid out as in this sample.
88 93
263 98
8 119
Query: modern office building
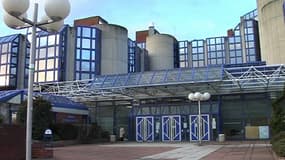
241 45
143 85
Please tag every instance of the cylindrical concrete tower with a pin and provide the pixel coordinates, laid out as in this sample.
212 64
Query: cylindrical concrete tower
114 49
161 51
271 30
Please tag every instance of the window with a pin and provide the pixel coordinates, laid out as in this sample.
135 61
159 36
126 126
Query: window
86 52
50 76
51 51
42 53
50 64
50 56
43 41
51 40
86 32
42 64
86 43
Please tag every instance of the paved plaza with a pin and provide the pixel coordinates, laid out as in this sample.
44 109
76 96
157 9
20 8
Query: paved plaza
166 151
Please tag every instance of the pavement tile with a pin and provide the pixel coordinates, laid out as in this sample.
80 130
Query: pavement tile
167 151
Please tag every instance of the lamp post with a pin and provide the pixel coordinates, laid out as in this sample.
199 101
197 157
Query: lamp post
197 96
15 17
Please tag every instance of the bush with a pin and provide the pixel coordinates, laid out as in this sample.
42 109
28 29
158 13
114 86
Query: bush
279 147
277 137
278 115
105 135
1 119
65 131
42 117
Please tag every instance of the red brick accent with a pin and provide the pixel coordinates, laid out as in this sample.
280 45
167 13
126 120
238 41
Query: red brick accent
68 118
89 21
141 36
40 151
231 33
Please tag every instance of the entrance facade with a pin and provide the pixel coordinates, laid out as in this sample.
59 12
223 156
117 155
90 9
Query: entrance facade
144 129
194 127
171 128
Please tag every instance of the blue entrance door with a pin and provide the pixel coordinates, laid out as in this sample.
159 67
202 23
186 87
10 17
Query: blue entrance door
144 129
205 129
171 128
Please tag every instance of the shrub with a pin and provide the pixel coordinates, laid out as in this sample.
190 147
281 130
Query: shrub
277 137
278 115
279 147
105 134
1 119
65 131
42 117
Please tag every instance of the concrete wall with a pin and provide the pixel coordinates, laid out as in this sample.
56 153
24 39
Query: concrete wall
160 49
272 31
21 63
70 57
114 57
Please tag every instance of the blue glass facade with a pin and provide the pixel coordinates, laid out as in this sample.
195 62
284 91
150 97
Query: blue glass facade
198 53
9 47
183 54
50 56
250 15
131 56
240 46
216 50
87 52
235 47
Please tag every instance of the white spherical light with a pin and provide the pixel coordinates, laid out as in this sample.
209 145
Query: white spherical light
206 96
191 96
52 27
55 27
197 95
16 7
57 9
13 22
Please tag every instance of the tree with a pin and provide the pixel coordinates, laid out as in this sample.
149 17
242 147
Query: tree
277 122
42 117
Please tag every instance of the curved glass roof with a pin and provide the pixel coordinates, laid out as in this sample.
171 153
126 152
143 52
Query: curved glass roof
172 83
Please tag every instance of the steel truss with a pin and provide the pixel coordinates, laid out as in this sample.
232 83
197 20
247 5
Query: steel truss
171 83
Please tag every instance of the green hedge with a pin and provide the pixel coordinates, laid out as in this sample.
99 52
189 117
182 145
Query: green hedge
65 131
279 147
277 137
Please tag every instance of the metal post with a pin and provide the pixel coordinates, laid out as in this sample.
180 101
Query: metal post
199 123
30 86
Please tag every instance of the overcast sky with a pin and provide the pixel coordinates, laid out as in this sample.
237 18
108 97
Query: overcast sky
184 19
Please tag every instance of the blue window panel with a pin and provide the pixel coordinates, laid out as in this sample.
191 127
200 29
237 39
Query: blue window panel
87 50
50 56
9 47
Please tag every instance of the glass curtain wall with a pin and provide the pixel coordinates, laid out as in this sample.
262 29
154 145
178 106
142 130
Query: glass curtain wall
50 55
216 50
183 54
251 38
235 47
131 55
198 53
9 47
87 52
